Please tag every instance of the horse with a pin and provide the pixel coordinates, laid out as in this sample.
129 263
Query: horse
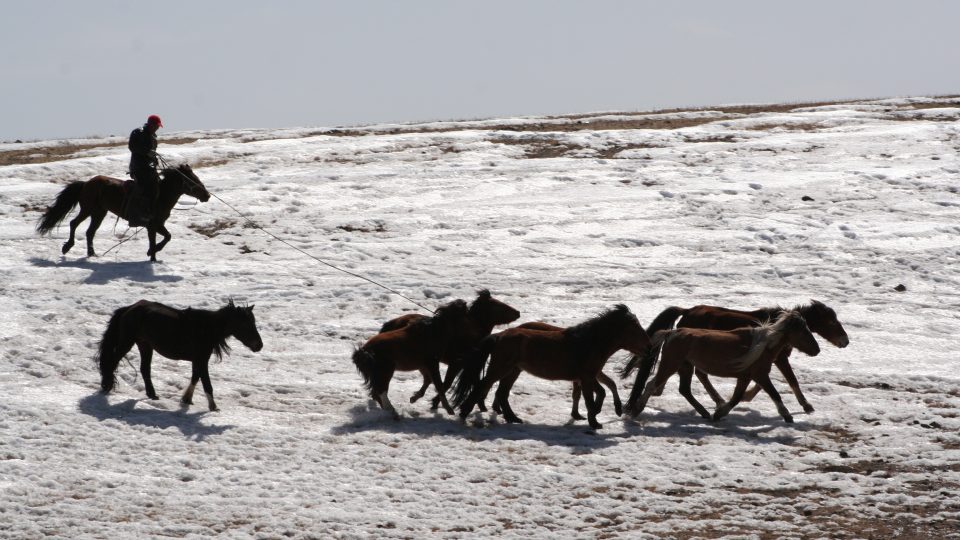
577 353
484 313
101 194
415 347
746 354
601 378
820 318
178 334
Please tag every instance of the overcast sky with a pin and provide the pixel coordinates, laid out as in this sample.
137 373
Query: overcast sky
70 69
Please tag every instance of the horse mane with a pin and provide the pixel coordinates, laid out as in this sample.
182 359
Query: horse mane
445 313
483 296
762 336
209 323
590 331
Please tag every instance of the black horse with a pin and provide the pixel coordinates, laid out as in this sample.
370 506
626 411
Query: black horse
178 334
102 194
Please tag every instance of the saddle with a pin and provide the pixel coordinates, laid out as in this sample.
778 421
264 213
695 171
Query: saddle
136 207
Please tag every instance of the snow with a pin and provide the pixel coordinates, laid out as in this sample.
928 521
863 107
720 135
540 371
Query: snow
713 213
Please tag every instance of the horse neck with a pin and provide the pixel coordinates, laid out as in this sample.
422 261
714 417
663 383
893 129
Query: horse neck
170 191
605 340
772 335
766 314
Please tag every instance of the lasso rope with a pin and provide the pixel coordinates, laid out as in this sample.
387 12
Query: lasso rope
257 226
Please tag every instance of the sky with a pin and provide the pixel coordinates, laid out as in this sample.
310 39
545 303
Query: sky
72 69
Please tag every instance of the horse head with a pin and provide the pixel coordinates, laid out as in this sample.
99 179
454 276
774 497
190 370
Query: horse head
822 320
190 184
797 333
488 311
635 338
243 326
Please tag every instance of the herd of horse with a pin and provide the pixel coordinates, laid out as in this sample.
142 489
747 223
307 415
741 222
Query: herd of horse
707 340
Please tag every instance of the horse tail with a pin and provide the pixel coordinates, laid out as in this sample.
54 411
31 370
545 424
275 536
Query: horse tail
469 377
646 366
111 351
66 200
663 321
366 364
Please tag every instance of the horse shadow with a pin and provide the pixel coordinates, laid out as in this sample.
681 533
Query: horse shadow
750 426
189 424
105 272
578 437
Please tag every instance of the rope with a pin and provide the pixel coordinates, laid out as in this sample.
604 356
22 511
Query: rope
257 226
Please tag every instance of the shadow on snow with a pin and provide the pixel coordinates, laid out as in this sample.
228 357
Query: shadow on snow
370 418
105 272
189 424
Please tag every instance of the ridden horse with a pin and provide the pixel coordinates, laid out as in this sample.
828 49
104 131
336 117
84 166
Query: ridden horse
746 354
178 334
417 346
820 318
101 194
601 378
484 313
577 353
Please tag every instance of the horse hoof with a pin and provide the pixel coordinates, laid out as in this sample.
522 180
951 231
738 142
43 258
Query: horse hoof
788 419
596 425
618 410
153 396
577 416
807 408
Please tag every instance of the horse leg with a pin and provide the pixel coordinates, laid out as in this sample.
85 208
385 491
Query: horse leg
617 405
187 398
495 372
783 363
207 385
154 246
764 381
152 239
708 386
146 356
453 370
589 388
95 219
668 366
438 384
74 223
577 392
738 392
502 397
423 387
379 385
686 376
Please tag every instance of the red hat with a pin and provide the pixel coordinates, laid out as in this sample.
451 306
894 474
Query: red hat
154 119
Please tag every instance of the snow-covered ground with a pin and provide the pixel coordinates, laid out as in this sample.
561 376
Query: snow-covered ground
560 224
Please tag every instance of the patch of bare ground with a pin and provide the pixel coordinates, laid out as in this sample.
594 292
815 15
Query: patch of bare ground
48 154
213 229
371 227
546 147
801 126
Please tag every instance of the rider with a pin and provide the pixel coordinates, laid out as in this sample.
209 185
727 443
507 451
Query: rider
143 169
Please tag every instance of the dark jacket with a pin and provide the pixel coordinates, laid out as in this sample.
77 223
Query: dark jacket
143 149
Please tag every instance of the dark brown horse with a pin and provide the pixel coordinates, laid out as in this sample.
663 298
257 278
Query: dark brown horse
415 347
601 378
484 313
746 354
820 318
178 334
576 354
102 194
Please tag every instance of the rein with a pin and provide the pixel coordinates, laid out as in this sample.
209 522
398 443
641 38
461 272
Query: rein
257 226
